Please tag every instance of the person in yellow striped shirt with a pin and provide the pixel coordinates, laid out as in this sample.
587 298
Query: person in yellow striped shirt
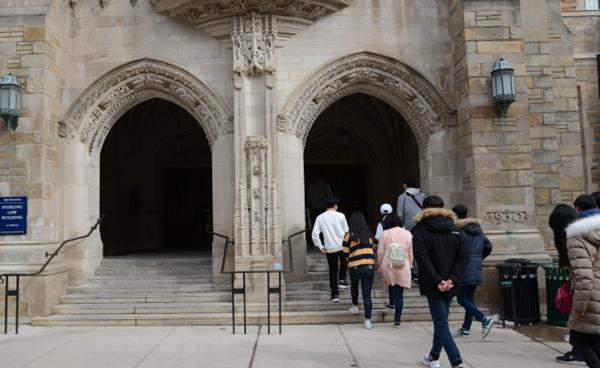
358 248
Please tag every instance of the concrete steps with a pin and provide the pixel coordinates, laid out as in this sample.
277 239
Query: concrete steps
179 291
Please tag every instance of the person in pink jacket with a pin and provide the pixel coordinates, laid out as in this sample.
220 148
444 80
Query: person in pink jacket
397 278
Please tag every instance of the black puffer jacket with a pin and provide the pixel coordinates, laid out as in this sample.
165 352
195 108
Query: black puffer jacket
440 251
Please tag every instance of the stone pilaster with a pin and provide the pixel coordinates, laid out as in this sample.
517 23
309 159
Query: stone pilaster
257 235
498 167
30 48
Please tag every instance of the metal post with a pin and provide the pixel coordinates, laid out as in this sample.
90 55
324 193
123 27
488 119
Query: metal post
233 302
244 285
514 301
280 302
268 303
17 305
6 304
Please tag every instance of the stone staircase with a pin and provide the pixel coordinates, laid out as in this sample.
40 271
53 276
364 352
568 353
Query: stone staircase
310 300
178 290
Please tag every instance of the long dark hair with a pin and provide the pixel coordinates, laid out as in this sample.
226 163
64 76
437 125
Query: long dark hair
562 215
390 221
359 230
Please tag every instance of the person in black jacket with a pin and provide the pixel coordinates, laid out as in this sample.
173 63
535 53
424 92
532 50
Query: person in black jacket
479 247
439 249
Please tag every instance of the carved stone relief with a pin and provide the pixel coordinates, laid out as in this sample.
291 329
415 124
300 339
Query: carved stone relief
413 96
212 16
253 39
94 113
506 216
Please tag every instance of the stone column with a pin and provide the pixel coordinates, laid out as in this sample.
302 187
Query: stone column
29 157
257 235
497 152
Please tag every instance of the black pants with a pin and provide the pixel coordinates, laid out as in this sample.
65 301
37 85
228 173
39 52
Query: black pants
588 346
364 275
337 264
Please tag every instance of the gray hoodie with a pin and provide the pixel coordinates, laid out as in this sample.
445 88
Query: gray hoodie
407 208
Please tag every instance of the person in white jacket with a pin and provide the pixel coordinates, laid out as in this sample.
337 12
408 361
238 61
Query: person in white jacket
334 226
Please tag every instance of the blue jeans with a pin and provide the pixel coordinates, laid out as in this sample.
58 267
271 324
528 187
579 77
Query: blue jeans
398 296
467 300
364 275
439 306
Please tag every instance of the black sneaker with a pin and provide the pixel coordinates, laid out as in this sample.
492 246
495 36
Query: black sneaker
390 306
343 285
570 358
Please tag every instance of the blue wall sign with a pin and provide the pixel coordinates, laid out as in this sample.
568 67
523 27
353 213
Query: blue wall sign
13 215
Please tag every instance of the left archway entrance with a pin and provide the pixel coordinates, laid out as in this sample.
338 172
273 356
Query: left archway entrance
156 182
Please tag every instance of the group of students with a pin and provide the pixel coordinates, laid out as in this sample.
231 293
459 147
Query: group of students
445 245
577 238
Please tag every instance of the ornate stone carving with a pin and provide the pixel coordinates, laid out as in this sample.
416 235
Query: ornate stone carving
103 3
93 114
213 16
506 216
133 2
253 39
73 3
419 102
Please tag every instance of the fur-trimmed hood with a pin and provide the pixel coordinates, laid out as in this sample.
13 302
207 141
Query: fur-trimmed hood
434 212
588 228
471 225
464 222
439 220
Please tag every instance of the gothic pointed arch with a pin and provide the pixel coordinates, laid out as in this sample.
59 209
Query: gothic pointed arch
413 96
94 113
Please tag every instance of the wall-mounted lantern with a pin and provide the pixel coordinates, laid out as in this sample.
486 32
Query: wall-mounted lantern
10 101
503 85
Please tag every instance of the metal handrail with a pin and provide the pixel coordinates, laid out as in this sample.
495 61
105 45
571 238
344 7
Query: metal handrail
270 290
5 277
51 256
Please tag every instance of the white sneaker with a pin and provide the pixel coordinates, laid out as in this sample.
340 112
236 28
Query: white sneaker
430 363
368 324
354 309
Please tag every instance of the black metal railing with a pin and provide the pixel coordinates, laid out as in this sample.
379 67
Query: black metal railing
270 290
5 277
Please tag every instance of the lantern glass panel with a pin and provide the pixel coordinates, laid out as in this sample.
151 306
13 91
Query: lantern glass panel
507 84
4 99
497 85
18 105
13 99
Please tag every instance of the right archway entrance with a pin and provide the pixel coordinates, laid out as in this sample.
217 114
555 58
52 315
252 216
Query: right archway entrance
361 148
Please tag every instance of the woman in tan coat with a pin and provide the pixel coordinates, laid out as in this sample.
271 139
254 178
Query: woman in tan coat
583 241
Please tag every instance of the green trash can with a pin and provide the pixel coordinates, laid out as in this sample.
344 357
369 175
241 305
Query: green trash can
555 277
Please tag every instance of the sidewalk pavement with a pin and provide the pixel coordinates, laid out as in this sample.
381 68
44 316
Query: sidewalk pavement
346 346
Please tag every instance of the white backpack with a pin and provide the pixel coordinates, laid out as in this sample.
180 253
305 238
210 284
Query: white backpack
397 256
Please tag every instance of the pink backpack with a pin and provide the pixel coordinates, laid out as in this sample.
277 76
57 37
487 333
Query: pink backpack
563 301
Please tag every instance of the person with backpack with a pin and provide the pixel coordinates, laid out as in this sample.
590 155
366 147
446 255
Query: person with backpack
479 247
583 243
385 210
410 203
395 258
360 253
439 249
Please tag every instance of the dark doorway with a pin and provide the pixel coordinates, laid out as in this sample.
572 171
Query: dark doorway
155 182
362 148
188 209
347 181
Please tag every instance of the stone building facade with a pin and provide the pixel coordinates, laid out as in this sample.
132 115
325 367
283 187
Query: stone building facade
397 88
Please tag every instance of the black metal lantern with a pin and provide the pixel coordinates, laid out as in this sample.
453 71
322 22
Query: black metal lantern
10 101
503 85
